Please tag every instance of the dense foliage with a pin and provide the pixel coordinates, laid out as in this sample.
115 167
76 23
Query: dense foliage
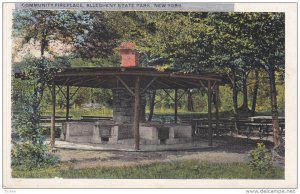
34 76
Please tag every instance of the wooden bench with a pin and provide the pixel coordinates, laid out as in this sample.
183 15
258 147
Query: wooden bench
94 118
59 119
200 127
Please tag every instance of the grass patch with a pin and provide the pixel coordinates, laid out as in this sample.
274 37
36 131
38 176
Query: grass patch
77 113
189 169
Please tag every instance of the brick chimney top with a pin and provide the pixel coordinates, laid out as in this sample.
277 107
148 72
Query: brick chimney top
128 45
129 54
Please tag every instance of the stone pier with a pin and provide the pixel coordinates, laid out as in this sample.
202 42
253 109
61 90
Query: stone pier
123 103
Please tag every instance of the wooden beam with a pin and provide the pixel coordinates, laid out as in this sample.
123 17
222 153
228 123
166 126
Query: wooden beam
168 94
212 87
162 83
175 105
160 100
148 85
194 84
202 84
182 95
75 92
126 86
210 132
101 82
52 133
60 89
139 73
70 81
136 119
82 81
176 83
65 81
199 77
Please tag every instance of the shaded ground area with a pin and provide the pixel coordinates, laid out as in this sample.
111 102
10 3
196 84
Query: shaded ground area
230 150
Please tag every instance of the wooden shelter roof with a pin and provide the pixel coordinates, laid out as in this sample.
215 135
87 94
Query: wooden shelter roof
115 77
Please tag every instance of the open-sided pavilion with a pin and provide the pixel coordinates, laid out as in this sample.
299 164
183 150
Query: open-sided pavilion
136 80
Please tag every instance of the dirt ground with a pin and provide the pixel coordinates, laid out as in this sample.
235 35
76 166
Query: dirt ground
234 150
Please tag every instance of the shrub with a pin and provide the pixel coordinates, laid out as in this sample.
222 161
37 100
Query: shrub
260 159
27 156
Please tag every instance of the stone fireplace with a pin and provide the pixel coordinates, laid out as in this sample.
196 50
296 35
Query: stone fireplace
123 103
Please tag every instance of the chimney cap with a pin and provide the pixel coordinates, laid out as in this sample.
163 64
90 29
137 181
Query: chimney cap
128 45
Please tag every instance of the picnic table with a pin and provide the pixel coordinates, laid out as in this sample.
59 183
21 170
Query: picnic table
265 119
262 125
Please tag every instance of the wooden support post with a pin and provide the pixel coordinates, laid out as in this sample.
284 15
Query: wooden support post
52 136
210 132
175 105
217 107
67 109
136 121
68 103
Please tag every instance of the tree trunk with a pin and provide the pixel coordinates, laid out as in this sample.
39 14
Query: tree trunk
151 104
245 93
234 100
255 92
43 46
190 105
273 95
35 111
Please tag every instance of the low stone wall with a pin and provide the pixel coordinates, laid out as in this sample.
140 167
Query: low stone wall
108 132
102 131
179 133
165 134
149 133
121 132
78 132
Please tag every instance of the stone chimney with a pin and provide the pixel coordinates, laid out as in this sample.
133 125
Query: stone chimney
129 55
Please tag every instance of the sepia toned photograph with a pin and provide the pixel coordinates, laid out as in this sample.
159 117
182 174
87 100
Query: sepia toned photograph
146 91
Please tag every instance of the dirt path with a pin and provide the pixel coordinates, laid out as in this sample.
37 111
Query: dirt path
85 159
233 151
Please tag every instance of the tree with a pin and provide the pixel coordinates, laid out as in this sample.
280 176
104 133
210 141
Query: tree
269 39
100 39
28 88
256 36
255 92
230 45
190 104
151 98
45 25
